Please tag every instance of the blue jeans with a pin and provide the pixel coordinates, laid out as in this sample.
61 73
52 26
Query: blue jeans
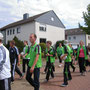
34 82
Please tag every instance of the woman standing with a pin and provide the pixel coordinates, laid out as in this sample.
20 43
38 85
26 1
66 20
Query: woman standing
82 56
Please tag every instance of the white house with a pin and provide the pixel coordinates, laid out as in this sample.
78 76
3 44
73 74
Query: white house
47 26
76 35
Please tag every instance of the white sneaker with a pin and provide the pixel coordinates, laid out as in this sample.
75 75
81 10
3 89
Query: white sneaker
84 74
81 74
45 81
60 65
12 83
44 72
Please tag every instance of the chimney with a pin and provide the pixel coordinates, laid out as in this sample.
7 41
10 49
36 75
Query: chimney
25 16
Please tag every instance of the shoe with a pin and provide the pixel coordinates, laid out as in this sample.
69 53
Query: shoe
81 74
45 81
84 74
21 77
12 83
64 85
60 65
74 69
44 72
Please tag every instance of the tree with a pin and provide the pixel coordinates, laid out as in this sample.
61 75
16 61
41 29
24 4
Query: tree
43 46
18 43
86 16
57 43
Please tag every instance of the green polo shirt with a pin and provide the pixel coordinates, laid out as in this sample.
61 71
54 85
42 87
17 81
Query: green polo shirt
60 51
68 51
34 50
51 52
26 50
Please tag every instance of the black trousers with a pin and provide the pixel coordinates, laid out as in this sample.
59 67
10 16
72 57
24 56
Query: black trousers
46 67
71 64
14 68
5 84
49 71
60 61
82 64
67 73
34 82
25 61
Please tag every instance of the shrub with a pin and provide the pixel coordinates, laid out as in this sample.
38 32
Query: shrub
43 46
57 43
19 44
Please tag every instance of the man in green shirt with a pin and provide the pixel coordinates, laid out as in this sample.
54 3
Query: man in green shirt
35 63
67 73
60 51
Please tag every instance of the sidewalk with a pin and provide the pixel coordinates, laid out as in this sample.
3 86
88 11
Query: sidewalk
78 82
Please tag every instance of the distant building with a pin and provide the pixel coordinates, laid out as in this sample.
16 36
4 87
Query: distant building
47 26
75 35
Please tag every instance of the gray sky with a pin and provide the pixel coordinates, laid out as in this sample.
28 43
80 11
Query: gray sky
69 11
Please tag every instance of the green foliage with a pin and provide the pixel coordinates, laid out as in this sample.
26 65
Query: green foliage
19 44
86 17
7 45
57 43
43 46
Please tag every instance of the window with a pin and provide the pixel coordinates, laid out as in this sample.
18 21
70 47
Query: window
74 37
69 38
18 29
52 18
8 32
42 40
42 28
89 37
13 31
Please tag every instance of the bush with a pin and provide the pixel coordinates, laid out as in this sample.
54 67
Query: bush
19 44
7 45
57 43
43 46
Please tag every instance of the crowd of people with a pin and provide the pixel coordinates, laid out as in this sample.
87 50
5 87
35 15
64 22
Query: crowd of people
32 57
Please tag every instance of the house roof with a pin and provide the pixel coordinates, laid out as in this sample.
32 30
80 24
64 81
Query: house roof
30 19
74 31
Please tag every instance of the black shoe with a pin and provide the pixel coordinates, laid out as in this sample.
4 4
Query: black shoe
64 85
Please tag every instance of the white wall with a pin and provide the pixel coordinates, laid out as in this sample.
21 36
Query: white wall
78 38
52 33
26 29
88 40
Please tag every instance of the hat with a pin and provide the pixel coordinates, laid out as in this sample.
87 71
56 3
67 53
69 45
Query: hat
1 36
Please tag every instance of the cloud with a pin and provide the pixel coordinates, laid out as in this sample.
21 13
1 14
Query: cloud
69 11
